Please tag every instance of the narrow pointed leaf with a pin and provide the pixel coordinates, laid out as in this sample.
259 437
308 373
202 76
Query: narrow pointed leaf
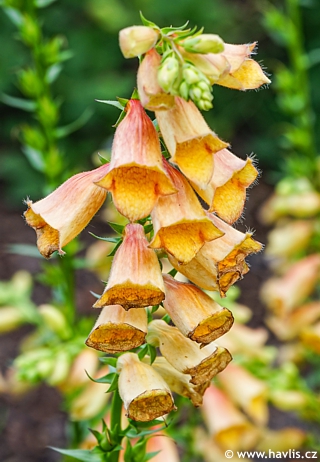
79 454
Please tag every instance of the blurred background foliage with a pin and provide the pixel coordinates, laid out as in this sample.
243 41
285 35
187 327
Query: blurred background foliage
97 70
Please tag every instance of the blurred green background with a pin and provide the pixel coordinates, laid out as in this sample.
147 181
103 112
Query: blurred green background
97 70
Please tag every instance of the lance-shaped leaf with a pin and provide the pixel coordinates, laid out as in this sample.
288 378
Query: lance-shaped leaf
219 264
190 142
181 226
226 191
151 94
61 216
135 278
136 176
144 393
185 355
118 330
194 313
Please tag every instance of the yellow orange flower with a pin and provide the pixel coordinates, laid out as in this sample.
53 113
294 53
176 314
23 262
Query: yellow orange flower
136 177
181 226
187 356
118 330
61 216
135 277
219 264
144 393
226 191
195 314
191 143
151 94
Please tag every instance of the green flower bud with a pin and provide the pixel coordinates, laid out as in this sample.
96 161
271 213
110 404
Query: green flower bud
204 105
11 318
137 40
184 90
55 320
30 31
33 137
29 82
47 112
190 74
204 43
195 93
61 368
168 73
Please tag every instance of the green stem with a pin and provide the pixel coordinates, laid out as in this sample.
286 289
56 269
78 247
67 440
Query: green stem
115 423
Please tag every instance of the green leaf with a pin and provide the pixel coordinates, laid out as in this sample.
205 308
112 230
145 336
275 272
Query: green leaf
15 16
62 132
103 160
114 383
20 103
150 455
146 22
53 72
148 228
116 227
108 360
108 239
111 103
143 352
79 454
112 253
167 30
105 379
43 3
166 318
34 157
152 353
173 272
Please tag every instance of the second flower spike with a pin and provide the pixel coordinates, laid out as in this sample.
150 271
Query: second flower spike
135 277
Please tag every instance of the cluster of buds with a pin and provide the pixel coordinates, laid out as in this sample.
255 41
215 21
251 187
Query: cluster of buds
157 193
185 62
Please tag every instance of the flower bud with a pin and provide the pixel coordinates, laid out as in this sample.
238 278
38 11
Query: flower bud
180 225
29 82
11 318
135 160
169 74
191 143
144 393
118 330
290 238
135 278
281 440
185 355
61 368
151 95
194 313
30 30
137 40
204 43
55 320
310 337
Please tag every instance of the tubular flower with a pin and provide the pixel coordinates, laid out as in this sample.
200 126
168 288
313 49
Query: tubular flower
151 94
135 277
118 330
179 382
136 40
144 393
229 427
247 391
219 264
136 160
181 226
281 295
226 191
244 73
191 143
185 355
194 313
61 216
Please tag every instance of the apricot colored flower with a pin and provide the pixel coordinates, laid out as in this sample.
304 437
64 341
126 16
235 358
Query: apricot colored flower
151 94
135 278
180 224
247 391
228 426
61 216
194 313
219 264
178 382
136 177
226 191
118 330
187 356
144 393
190 142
